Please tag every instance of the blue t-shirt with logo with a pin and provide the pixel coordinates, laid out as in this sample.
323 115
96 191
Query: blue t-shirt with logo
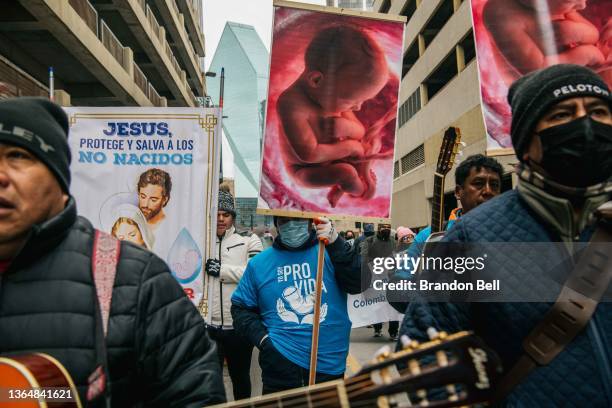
281 284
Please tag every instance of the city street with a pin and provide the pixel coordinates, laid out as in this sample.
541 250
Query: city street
362 348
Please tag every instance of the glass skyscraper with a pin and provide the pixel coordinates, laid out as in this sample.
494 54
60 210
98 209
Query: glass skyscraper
245 59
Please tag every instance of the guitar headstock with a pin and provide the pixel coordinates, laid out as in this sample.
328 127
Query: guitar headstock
449 370
448 150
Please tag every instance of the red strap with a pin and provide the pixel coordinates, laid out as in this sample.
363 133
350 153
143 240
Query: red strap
4 266
104 268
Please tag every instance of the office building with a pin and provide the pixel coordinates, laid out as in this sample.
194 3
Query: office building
439 89
366 5
245 59
103 52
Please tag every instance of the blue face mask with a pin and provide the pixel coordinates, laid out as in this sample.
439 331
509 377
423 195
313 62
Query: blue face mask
294 233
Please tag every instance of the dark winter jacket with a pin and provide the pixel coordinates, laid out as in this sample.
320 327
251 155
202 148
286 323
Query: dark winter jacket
158 350
580 375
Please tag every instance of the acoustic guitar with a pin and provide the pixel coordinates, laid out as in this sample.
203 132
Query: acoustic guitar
36 381
447 371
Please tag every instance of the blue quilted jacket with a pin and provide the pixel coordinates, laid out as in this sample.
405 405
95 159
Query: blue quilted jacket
581 376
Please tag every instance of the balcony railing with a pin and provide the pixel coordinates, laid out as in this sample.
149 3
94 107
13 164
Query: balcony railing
141 79
175 7
87 12
90 16
112 44
154 96
153 23
192 95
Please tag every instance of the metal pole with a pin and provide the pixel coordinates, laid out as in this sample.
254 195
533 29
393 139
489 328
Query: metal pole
51 85
221 86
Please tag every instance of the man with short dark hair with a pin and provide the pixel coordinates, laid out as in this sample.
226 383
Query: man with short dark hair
562 134
477 179
380 245
157 349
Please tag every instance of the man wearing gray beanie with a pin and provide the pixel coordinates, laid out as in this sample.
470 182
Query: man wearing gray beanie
155 348
562 135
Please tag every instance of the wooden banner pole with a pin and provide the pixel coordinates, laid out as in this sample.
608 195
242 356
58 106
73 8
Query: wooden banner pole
314 348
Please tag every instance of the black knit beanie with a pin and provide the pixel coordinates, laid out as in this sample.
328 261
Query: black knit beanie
532 95
41 127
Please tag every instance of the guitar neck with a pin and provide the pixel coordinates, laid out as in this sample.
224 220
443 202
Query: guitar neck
437 204
329 394
332 394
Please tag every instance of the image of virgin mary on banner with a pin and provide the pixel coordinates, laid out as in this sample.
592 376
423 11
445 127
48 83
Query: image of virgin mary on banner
515 37
331 112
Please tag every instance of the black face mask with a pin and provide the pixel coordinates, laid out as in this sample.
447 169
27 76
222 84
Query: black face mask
384 234
578 153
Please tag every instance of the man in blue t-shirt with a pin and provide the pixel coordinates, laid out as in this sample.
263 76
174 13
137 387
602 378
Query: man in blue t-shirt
273 305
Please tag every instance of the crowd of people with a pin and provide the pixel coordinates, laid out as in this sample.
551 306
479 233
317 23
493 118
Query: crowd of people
159 350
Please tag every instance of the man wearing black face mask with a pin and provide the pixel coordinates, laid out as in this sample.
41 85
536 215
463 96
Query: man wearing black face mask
380 245
562 135
273 305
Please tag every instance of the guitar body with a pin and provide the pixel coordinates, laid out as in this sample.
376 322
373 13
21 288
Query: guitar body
34 371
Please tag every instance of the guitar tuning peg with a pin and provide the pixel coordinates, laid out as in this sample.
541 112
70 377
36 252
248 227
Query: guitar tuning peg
432 333
408 343
382 353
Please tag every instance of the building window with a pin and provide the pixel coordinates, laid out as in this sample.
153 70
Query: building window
410 57
469 50
384 8
396 171
409 9
442 75
410 107
413 159
437 21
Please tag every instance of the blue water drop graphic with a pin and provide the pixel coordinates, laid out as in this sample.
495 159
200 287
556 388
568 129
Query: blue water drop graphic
185 258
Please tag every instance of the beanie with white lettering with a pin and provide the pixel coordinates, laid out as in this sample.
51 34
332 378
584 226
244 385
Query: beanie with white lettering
41 127
534 94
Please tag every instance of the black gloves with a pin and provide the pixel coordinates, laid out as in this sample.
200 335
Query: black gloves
213 267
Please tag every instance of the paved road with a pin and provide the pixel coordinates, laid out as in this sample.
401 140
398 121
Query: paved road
362 348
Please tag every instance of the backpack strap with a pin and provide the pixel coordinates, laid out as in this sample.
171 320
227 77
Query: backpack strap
104 267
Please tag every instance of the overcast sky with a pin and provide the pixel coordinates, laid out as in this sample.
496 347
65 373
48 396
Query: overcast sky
257 13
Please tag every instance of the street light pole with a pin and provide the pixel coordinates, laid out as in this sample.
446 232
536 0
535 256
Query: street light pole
221 86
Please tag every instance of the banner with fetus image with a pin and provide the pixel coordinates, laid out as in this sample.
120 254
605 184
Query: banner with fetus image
330 124
516 37
149 176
